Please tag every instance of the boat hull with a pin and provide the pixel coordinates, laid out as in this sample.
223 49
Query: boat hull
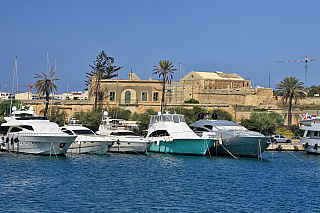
131 146
182 146
311 145
94 147
38 144
241 146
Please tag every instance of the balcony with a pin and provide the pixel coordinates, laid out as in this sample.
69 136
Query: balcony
128 102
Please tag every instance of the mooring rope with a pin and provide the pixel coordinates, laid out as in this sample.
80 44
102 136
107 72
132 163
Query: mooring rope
53 150
259 150
228 151
293 155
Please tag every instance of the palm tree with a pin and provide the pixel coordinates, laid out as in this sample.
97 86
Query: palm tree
292 89
95 81
45 85
165 69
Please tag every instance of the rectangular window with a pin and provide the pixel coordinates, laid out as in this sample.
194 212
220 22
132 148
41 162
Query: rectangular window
112 96
144 96
155 96
100 96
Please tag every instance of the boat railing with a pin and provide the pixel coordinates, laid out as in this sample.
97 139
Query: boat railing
14 134
186 134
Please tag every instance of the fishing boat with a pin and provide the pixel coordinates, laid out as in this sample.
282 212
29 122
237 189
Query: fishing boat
86 140
30 134
234 138
311 136
126 141
169 133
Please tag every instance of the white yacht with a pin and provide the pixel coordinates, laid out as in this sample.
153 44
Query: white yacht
234 138
311 137
170 134
30 134
126 141
87 141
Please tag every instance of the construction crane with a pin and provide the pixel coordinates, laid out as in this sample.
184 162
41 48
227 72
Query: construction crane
29 88
305 60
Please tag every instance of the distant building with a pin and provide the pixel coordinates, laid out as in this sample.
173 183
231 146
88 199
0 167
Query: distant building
65 96
5 95
26 96
74 95
215 80
209 88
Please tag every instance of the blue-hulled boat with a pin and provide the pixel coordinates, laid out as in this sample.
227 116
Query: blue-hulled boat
169 133
234 138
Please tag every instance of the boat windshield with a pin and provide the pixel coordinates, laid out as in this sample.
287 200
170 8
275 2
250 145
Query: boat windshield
232 128
83 132
32 118
125 134
167 118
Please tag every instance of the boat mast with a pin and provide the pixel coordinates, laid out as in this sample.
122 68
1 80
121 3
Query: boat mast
15 77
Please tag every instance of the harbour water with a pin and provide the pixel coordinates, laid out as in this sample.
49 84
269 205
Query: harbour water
281 182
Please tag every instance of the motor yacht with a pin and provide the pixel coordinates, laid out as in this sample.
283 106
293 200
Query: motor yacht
170 134
311 136
234 138
30 134
86 140
126 141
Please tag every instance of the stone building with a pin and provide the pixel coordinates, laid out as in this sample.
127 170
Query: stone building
215 80
214 88
132 94
209 88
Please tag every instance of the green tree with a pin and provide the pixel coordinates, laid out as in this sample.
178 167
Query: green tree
191 101
165 69
260 122
222 114
45 85
292 89
313 90
59 117
278 119
119 113
91 119
143 121
102 68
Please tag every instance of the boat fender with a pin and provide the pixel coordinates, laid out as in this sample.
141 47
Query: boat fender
118 142
279 148
158 142
315 146
306 145
16 140
3 138
7 140
167 139
220 141
11 141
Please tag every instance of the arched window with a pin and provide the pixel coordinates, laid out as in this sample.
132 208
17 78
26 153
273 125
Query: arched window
127 97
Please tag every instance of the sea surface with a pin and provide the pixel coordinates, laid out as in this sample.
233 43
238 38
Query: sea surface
280 182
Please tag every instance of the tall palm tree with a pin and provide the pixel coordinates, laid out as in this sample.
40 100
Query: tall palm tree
45 85
165 69
292 89
95 81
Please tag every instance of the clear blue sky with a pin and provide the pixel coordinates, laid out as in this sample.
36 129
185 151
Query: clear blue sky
243 37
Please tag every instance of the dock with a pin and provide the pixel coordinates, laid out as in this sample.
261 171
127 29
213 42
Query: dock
294 146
